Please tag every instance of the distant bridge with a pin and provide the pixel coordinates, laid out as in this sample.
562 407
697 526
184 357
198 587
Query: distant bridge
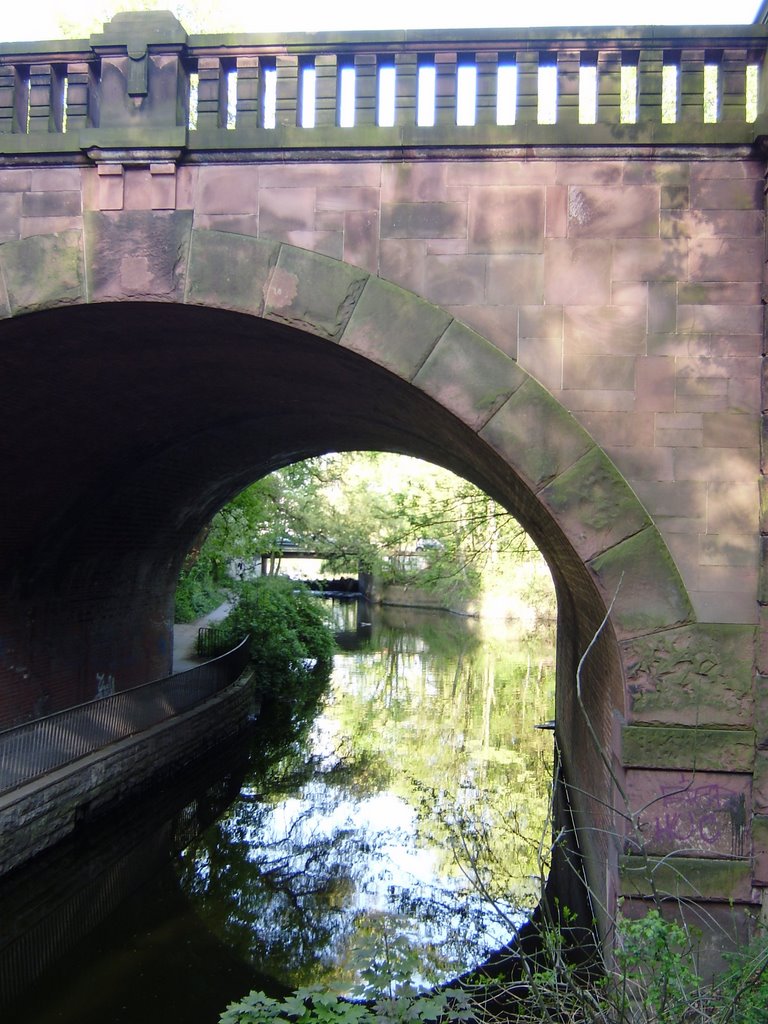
534 257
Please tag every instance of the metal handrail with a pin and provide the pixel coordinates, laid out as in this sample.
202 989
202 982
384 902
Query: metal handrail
35 748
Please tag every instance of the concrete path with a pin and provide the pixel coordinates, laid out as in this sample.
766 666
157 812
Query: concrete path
185 638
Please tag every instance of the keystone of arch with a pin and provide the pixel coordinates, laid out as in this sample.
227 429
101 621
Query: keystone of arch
419 342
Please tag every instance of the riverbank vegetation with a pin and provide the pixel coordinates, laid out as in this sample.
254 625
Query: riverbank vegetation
407 523
291 641
653 980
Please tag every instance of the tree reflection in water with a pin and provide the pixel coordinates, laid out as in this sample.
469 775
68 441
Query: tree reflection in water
410 796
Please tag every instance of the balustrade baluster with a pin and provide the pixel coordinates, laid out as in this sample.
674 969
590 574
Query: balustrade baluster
568 81
445 88
286 95
691 87
80 86
649 75
732 82
46 98
527 87
248 92
609 87
406 78
366 71
326 89
13 99
211 94
487 87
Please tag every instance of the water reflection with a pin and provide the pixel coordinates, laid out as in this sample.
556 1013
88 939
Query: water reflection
359 814
416 810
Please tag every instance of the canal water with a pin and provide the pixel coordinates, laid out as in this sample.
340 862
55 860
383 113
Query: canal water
401 806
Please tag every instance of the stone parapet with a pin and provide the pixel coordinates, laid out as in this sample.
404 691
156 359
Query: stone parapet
144 85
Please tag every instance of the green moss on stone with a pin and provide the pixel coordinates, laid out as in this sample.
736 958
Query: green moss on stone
43 271
696 675
469 375
537 435
394 327
312 292
686 877
640 577
731 750
594 504
229 271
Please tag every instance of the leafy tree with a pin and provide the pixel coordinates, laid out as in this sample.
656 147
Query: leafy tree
290 641
402 519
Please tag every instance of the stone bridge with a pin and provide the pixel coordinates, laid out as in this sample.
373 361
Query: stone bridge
534 258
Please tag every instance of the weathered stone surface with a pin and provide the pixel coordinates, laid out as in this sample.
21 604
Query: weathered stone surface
605 330
760 849
51 204
638 574
649 260
592 501
515 279
313 292
135 254
725 259
227 189
695 749
536 434
760 779
690 812
699 674
604 212
423 220
506 220
694 813
229 271
468 375
394 327
684 877
282 210
43 271
457 279
577 273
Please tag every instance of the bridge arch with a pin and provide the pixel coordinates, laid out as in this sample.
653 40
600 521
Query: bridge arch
176 365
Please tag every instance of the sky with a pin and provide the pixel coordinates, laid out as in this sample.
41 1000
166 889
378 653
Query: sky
39 19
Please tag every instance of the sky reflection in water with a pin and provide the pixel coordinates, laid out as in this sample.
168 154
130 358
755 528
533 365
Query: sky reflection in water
421 774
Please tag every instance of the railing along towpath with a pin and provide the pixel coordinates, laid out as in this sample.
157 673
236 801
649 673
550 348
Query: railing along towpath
38 747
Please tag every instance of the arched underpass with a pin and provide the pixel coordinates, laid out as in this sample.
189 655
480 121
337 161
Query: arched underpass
134 423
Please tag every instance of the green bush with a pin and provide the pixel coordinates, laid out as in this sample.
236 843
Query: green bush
290 639
198 591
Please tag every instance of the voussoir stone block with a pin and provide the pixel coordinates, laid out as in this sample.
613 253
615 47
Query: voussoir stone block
229 271
312 292
43 271
699 674
595 504
468 375
137 254
394 327
536 434
640 577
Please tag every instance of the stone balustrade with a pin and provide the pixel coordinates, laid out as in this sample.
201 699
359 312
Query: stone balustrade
146 87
